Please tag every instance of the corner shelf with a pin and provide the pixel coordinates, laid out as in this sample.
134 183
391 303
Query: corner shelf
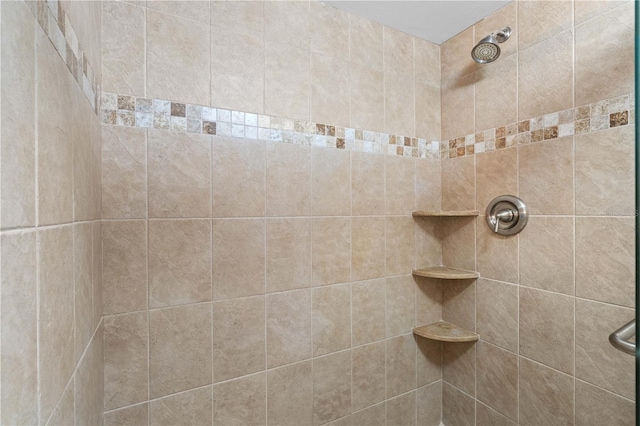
445 213
445 332
444 273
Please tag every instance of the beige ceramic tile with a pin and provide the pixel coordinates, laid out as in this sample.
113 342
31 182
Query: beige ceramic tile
402 410
367 311
83 163
331 313
179 262
401 365
19 327
130 416
458 116
458 184
495 86
497 313
82 286
56 358
400 245
238 337
399 105
329 32
400 185
498 379
290 395
428 186
238 257
400 305
330 188
89 383
287 81
288 254
459 366
546 176
605 260
605 173
458 305
287 22
597 362
126 345
368 248
63 413
504 17
86 18
455 56
368 375
367 183
237 69
603 48
289 336
595 406
497 255
331 387
588 9
97 271
457 407
372 416
429 361
546 396
179 349
547 254
428 300
243 16
286 165
177 47
18 114
124 172
430 404
367 98
486 416
124 262
244 195
196 10
459 243
192 407
540 20
547 328
365 38
496 174
543 88
241 401
329 90
123 48
427 111
427 62
331 244
179 174
398 52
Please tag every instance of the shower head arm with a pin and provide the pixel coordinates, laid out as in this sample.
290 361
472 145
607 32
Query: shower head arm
502 35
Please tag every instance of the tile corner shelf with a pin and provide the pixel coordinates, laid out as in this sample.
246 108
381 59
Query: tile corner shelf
445 332
442 272
445 213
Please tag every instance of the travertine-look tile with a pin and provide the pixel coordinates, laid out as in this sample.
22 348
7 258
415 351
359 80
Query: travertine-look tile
329 90
588 9
287 81
457 407
506 16
244 194
605 173
123 50
428 186
179 349
238 257
126 345
97 272
124 172
497 255
241 401
86 18
597 361
331 387
497 85
427 62
605 259
547 328
82 286
196 10
367 100
539 21
459 366
288 180
398 52
401 365
458 184
246 16
427 112
402 410
367 311
368 375
330 189
458 305
177 47
192 407
331 243
603 70
455 56
365 41
497 313
546 396
288 254
367 247
543 88
429 399
287 22
547 253
83 155
89 383
428 300
288 327
546 176
238 337
237 69
367 183
400 245
400 185
400 305
498 379
458 116
459 242
399 105
329 31
18 114
496 174
56 358
63 413
290 395
486 416
596 406
372 416
19 328
129 416
331 313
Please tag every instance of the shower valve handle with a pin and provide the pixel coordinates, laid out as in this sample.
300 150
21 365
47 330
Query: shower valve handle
505 215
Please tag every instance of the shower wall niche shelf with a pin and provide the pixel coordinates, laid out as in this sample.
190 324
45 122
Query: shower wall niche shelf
445 332
445 213
444 273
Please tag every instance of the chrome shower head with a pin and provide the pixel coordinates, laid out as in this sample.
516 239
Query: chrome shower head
488 50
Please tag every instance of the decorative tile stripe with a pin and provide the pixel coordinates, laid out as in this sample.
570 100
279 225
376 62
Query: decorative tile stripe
55 23
131 111
601 115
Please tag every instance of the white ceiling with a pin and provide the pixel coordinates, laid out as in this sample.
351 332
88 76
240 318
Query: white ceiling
433 20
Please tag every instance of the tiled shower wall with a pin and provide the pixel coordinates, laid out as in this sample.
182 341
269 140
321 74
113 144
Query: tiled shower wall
51 311
550 296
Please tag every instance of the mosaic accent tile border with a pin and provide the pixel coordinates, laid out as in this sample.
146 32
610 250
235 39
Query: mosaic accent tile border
131 111
55 23
601 115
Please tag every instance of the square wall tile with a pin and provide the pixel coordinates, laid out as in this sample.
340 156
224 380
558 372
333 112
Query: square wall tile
427 62
329 90
331 387
400 305
497 255
458 109
329 31
245 17
497 313
367 184
367 311
594 405
458 183
459 366
367 247
496 174
288 254
429 361
290 394
367 100
192 407
331 244
458 305
459 242
241 401
195 10
287 81
428 300
428 115
331 182
430 404
455 56
546 395
399 105
287 22
289 336
400 245
539 21
133 415
365 41
428 185
288 180
400 185
401 365
458 408
398 52
498 379
497 85
487 416
331 313
402 410
368 375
